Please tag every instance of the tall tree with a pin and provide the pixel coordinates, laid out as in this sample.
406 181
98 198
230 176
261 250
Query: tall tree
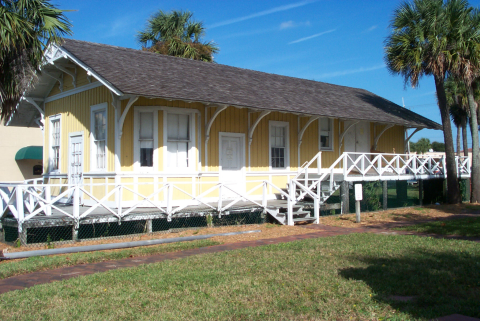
420 44
176 34
438 147
26 28
467 54
458 104
421 146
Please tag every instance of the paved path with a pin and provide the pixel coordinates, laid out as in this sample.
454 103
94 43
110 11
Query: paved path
28 280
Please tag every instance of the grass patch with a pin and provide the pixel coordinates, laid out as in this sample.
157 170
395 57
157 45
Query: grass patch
475 207
38 263
337 278
462 226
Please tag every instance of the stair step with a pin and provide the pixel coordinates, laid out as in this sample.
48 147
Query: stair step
304 219
299 213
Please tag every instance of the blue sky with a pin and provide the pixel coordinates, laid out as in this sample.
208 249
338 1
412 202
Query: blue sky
339 42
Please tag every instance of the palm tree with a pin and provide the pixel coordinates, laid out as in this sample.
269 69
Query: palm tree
176 34
26 28
421 44
458 104
468 69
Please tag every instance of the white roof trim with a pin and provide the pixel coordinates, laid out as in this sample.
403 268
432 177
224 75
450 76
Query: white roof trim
58 52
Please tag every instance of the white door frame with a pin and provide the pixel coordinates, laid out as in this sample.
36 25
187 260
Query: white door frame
70 136
241 151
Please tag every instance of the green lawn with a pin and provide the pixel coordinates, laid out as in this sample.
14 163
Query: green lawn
335 278
462 226
32 264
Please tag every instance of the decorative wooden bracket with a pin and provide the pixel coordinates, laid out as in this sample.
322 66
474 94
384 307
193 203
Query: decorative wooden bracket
342 136
68 72
210 122
255 124
59 79
34 103
409 137
380 135
302 131
124 114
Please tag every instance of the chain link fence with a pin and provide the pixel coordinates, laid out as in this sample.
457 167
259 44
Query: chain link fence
50 236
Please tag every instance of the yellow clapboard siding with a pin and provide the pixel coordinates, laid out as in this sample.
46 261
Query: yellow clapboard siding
75 117
126 194
182 184
145 186
392 138
207 183
260 143
98 189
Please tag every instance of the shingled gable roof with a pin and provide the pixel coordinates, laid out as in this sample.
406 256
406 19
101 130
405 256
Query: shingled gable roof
136 72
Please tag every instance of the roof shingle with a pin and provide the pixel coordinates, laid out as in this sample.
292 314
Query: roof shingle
148 74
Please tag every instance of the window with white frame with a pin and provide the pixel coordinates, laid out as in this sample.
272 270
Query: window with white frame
278 145
99 137
326 133
178 140
55 143
145 138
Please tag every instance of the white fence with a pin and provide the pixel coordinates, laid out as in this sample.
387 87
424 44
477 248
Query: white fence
32 198
25 201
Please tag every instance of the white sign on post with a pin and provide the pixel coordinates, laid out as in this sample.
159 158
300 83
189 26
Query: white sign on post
358 192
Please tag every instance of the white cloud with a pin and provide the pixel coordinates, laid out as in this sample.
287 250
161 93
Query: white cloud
287 25
293 24
371 28
262 13
311 37
350 71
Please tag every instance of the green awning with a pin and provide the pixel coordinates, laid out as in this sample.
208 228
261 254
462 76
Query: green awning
30 152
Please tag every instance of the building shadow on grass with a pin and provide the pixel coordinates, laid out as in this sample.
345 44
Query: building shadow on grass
423 284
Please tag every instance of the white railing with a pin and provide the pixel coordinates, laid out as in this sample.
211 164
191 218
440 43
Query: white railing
368 166
25 201
382 166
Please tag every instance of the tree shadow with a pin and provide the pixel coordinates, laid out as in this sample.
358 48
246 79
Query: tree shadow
422 283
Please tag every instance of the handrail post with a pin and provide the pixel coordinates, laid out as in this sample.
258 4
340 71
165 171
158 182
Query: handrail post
76 203
169 201
119 204
316 204
345 166
19 205
457 167
22 235
48 198
264 195
414 166
362 163
444 167
332 179
220 192
379 164
291 197
319 163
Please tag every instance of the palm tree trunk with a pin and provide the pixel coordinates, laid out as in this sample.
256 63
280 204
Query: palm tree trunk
453 195
465 153
464 135
458 141
475 176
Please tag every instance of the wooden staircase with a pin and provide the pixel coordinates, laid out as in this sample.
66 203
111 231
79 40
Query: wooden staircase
279 210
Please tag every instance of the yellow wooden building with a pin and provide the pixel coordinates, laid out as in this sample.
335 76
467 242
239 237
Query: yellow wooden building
121 117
